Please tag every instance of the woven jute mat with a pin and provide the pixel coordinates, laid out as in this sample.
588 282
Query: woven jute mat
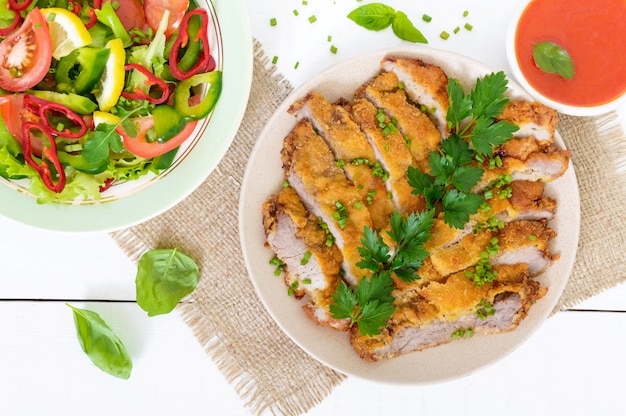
269 372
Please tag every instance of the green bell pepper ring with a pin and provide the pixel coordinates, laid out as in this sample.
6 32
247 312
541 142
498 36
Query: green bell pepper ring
183 97
80 70
77 103
80 164
167 122
107 16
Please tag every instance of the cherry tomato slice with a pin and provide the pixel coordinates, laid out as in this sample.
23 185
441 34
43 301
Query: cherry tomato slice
131 14
154 12
25 55
139 146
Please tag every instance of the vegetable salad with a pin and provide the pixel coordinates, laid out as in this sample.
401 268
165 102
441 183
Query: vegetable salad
97 92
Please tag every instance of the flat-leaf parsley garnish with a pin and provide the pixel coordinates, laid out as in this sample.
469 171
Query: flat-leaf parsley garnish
369 305
474 134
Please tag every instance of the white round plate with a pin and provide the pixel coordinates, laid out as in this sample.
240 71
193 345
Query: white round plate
264 176
133 202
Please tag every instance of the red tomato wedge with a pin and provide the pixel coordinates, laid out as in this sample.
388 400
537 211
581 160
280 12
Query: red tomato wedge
139 146
154 12
131 14
25 54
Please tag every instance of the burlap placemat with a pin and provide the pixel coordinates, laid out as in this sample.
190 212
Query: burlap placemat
269 372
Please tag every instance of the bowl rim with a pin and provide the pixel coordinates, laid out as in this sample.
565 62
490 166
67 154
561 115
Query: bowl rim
521 79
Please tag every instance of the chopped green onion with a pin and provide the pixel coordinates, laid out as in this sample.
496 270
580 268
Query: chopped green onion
273 21
465 13
312 19
329 38
426 18
295 12
305 3
456 30
275 59
444 35
468 26
296 65
305 258
333 49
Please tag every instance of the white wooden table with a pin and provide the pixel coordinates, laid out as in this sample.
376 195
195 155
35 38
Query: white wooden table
574 364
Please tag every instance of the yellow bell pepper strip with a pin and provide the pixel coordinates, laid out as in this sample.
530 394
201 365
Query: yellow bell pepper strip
183 97
152 81
137 142
179 65
49 153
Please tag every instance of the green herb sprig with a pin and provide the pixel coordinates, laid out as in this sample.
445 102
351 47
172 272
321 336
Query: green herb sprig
370 305
379 16
453 172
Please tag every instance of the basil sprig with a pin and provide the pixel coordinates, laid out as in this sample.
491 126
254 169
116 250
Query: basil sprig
553 59
164 277
100 343
379 16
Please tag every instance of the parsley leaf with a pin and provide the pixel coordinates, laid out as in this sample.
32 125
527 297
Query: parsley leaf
374 252
458 206
370 304
487 97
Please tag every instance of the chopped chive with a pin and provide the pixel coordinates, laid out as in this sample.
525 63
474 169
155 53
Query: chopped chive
358 205
275 59
465 13
444 35
456 30
306 281
273 21
532 237
296 65
426 18
305 258
305 3
468 26
312 19
295 12
285 183
329 38
333 49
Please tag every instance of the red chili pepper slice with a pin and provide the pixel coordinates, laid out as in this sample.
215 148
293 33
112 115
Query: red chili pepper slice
152 81
51 108
17 19
43 108
181 41
18 7
49 153
93 19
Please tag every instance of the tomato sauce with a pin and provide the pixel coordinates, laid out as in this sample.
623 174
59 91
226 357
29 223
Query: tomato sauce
592 32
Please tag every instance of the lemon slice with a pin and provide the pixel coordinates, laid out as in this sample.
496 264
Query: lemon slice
103 117
67 31
111 84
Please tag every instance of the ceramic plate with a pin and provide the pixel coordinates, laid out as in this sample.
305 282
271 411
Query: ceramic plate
133 202
264 176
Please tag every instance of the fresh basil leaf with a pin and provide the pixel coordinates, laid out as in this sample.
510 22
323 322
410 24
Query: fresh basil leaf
553 59
405 30
373 16
164 277
101 344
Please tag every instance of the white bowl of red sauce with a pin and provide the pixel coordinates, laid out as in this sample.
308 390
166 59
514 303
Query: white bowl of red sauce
546 34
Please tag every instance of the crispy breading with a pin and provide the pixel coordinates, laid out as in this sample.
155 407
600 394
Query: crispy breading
351 149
